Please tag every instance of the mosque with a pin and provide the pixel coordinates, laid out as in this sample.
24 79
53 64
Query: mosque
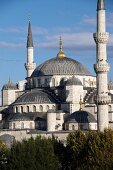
61 94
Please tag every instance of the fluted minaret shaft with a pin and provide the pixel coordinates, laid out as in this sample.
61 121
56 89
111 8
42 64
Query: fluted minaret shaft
101 67
30 65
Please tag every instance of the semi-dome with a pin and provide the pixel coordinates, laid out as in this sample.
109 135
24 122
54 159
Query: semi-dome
81 117
73 81
60 66
34 97
22 117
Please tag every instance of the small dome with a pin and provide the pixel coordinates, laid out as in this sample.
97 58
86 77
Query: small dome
61 66
81 117
9 86
73 81
34 97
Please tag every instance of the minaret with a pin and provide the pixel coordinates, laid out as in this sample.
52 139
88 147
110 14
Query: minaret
30 65
101 68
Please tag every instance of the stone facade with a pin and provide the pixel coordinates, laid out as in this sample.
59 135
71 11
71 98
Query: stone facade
101 69
60 95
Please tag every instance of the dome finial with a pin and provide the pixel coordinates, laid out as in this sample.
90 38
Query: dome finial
60 43
61 53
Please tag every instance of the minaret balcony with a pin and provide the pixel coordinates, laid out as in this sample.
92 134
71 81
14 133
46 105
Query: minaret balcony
102 99
101 37
101 67
30 66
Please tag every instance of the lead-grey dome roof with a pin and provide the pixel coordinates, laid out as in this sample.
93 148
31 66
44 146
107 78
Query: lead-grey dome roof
81 117
22 117
34 97
73 81
9 86
61 66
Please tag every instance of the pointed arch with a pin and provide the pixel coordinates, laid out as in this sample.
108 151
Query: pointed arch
21 110
47 108
41 108
27 109
34 108
16 109
53 107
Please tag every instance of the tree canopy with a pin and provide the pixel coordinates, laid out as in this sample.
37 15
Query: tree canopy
84 151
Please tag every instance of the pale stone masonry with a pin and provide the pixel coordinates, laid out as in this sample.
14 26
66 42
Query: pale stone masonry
58 96
101 68
30 65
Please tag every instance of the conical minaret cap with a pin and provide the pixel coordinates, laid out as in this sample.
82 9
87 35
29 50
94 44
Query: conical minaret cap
29 37
101 5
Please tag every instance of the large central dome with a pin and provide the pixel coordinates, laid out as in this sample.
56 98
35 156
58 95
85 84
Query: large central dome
61 66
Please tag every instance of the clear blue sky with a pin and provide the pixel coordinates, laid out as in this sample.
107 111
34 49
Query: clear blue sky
75 20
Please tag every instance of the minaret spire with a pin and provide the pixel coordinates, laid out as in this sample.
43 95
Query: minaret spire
101 68
101 5
30 65
29 37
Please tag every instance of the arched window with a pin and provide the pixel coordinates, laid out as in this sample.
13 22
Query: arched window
21 109
31 125
67 127
27 109
53 81
14 126
34 108
53 107
73 127
39 125
39 83
22 125
109 108
47 108
16 109
41 108
31 83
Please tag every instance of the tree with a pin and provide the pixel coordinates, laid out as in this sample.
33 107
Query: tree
90 150
33 154
3 155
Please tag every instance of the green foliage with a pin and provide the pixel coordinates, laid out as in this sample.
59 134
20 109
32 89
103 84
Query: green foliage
3 155
84 151
34 154
90 150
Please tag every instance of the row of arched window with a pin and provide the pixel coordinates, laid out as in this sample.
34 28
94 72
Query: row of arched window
38 83
21 110
22 125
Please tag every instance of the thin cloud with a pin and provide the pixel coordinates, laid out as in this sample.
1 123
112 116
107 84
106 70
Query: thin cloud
92 21
35 30
73 41
12 30
70 40
4 44
89 20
